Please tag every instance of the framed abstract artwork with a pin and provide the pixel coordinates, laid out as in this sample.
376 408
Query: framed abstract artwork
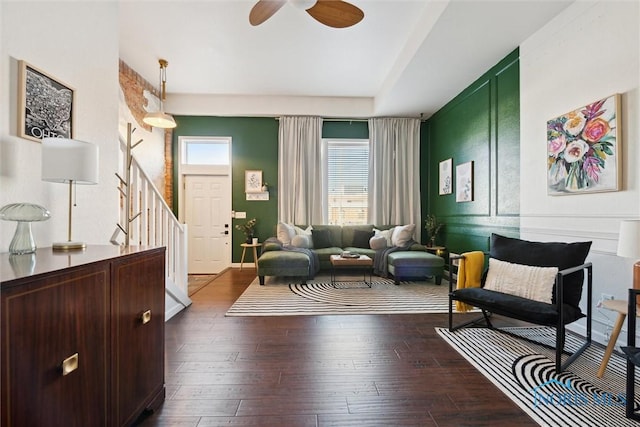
583 149
252 181
45 105
464 182
445 177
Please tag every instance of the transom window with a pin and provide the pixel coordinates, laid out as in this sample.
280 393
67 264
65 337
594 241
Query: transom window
346 181
206 151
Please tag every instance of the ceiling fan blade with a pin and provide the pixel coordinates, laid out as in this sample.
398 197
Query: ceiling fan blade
336 13
264 10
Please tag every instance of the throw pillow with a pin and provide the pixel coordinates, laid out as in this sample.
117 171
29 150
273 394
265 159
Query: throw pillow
321 238
285 232
378 242
300 232
534 283
302 241
361 238
384 233
546 254
402 234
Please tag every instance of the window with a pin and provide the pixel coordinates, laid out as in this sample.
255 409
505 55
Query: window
206 151
346 181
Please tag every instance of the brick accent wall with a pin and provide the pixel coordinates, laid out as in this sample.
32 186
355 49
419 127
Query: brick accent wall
133 86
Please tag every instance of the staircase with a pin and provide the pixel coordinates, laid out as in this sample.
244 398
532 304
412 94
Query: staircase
151 222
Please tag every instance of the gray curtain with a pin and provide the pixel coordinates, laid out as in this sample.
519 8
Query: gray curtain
300 170
394 172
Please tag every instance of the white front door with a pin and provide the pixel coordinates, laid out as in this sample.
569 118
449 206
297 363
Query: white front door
208 216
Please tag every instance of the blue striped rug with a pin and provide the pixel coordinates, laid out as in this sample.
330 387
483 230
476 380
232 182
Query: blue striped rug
525 372
319 297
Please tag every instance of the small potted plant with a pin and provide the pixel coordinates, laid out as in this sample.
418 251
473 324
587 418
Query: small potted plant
433 227
265 187
248 228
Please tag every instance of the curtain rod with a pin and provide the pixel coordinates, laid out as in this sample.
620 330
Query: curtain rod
337 119
341 119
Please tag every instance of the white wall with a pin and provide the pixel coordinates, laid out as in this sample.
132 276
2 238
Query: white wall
77 43
588 52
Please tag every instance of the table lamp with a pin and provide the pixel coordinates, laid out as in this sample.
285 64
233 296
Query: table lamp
73 162
629 246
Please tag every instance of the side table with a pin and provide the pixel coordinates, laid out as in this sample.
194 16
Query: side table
255 253
621 307
437 250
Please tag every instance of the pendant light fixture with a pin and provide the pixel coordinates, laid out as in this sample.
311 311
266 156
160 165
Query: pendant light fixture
161 119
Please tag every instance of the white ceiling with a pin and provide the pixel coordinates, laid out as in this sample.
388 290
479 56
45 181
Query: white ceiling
406 56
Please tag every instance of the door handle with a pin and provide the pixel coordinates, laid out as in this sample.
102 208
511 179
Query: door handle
224 232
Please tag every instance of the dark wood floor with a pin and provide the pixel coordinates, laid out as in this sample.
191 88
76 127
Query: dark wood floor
361 370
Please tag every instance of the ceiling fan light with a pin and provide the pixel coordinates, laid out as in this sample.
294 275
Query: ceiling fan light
160 119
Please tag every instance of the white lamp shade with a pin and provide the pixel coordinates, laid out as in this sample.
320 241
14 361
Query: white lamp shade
160 120
65 160
629 239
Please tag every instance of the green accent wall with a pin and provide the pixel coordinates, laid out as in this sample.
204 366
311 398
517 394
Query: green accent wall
254 146
357 129
482 125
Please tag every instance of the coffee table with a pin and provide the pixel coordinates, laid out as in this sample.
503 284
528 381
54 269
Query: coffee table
363 262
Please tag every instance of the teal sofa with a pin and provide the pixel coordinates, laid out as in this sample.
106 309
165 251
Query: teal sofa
416 262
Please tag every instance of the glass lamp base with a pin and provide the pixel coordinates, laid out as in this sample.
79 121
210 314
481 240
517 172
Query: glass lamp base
22 242
68 246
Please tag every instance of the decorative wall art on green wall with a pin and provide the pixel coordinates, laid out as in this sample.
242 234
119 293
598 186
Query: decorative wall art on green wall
445 177
582 148
464 182
480 125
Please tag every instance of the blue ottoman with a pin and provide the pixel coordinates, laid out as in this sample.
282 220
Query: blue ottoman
415 264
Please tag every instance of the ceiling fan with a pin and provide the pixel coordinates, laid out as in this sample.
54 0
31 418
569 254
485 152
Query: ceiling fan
333 13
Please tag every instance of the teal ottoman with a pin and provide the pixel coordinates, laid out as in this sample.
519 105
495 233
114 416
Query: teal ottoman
413 264
283 263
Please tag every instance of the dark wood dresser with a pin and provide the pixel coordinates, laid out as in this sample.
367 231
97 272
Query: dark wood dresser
82 336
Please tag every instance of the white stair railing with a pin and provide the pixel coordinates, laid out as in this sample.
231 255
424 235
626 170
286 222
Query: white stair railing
147 220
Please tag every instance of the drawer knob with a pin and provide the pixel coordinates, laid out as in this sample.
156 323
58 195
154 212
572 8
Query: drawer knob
70 364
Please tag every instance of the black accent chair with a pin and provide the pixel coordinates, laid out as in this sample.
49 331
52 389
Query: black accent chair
564 309
633 356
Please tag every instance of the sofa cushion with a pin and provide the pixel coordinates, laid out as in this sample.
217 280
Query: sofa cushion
361 238
402 234
546 254
414 258
530 282
349 234
321 238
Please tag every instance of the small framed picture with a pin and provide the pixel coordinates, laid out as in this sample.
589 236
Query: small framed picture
252 181
45 105
445 177
464 182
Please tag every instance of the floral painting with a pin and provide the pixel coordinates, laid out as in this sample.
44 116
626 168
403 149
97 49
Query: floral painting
464 182
252 181
445 177
582 148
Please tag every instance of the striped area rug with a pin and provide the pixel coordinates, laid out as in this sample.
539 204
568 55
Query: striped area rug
318 297
525 372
